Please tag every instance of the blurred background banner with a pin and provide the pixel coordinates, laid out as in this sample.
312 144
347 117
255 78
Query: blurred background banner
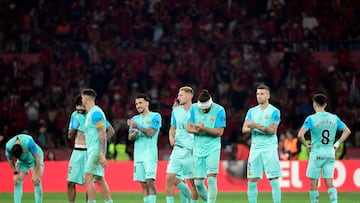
231 177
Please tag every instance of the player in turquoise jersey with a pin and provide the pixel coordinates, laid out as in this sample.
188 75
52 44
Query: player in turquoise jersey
77 163
144 129
78 159
95 137
180 165
323 127
207 120
24 154
262 122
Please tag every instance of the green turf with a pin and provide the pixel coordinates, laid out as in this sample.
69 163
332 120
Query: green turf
287 197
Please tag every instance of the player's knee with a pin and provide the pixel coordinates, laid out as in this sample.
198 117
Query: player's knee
169 178
71 185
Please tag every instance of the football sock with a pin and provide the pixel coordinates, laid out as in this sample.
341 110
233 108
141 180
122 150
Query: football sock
170 199
18 191
212 186
201 189
333 195
91 201
184 192
146 199
276 191
38 193
252 192
194 201
109 201
152 199
314 196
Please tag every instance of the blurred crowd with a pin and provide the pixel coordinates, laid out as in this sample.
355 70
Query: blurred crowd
122 48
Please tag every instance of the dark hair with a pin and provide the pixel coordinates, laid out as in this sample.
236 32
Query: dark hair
17 150
320 99
264 87
78 101
144 96
89 92
204 96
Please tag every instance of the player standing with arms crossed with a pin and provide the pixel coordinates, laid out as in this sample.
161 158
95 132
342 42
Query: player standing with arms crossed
144 129
207 121
262 122
323 127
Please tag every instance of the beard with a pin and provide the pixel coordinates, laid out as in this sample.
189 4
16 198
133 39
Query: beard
81 111
140 110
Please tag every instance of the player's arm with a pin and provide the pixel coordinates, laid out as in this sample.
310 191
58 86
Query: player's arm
154 125
172 135
172 129
73 126
245 128
132 134
72 133
345 134
134 125
191 127
301 134
110 131
102 137
301 137
273 126
216 132
271 129
37 168
12 164
220 123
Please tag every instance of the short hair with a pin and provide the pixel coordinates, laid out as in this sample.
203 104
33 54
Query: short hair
143 96
89 92
204 96
17 150
187 89
78 101
263 87
320 99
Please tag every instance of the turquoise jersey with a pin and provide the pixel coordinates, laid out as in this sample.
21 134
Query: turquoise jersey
259 139
29 148
94 118
183 138
79 117
145 147
323 127
205 144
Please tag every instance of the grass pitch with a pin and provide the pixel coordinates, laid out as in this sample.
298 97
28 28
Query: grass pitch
264 197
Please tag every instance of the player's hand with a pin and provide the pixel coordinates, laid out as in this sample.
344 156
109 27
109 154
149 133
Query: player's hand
35 179
103 161
308 148
133 134
16 179
172 141
131 123
251 124
336 145
201 127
